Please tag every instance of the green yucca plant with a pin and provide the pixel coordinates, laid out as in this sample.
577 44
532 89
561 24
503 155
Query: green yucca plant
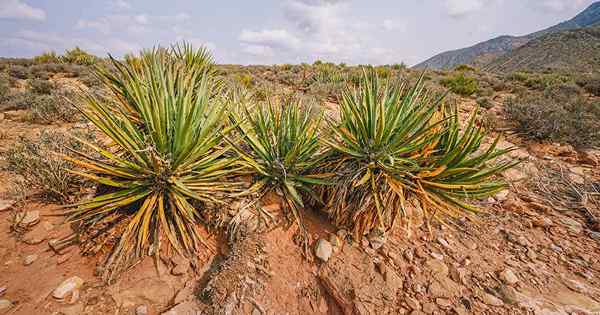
395 147
79 56
280 147
47 57
165 121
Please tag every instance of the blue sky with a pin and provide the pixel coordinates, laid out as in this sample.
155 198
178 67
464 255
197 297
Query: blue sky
270 31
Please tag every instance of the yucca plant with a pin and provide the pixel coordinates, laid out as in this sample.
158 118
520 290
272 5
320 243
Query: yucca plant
280 147
395 147
165 122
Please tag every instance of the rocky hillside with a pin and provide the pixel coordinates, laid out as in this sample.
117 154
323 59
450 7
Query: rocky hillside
484 52
571 50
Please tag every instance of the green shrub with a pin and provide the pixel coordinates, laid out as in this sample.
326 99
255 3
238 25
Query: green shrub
171 164
244 79
464 68
39 163
38 86
572 120
461 84
47 57
399 66
485 102
283 154
395 149
49 109
18 72
4 87
591 84
19 101
79 56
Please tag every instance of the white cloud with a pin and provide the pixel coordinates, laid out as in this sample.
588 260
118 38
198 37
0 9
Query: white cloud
270 38
557 6
258 50
394 25
461 8
16 9
119 5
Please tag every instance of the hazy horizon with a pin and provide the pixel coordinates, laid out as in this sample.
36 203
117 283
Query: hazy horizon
274 32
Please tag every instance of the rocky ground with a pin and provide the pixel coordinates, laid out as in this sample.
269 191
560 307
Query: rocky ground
535 249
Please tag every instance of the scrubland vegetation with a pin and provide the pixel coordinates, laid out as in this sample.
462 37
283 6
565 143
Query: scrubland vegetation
183 136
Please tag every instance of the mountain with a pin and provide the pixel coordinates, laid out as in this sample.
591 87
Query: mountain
487 51
574 50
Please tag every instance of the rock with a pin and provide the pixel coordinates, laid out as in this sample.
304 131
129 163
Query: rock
491 300
502 195
442 286
73 310
508 294
542 222
575 285
30 259
186 308
141 310
531 254
437 256
67 286
2 291
429 308
323 250
408 255
508 277
572 224
595 236
29 218
443 303
413 304
180 269
591 157
63 258
6 204
35 236
376 238
352 280
5 304
437 267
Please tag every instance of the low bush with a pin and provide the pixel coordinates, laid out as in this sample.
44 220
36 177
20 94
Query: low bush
19 101
4 87
18 72
461 84
485 102
79 56
57 107
395 149
548 116
464 68
40 165
39 86
591 84
47 57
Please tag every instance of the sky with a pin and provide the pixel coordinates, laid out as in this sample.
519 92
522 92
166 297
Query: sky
274 31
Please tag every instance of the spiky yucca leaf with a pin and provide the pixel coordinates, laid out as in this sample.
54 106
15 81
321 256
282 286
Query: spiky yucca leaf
166 126
282 150
395 146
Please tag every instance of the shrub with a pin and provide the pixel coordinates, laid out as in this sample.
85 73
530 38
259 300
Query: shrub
38 162
283 153
591 84
38 86
244 79
394 149
461 84
79 56
571 120
399 66
47 57
4 87
19 101
485 102
48 109
18 72
464 68
171 163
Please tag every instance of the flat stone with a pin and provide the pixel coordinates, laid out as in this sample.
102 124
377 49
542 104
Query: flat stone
6 204
491 300
508 294
436 266
323 250
141 310
572 224
444 303
413 304
36 236
376 238
30 259
67 286
502 195
28 218
429 308
5 304
186 308
76 309
509 277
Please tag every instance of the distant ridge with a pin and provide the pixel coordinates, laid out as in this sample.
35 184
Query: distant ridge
486 52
